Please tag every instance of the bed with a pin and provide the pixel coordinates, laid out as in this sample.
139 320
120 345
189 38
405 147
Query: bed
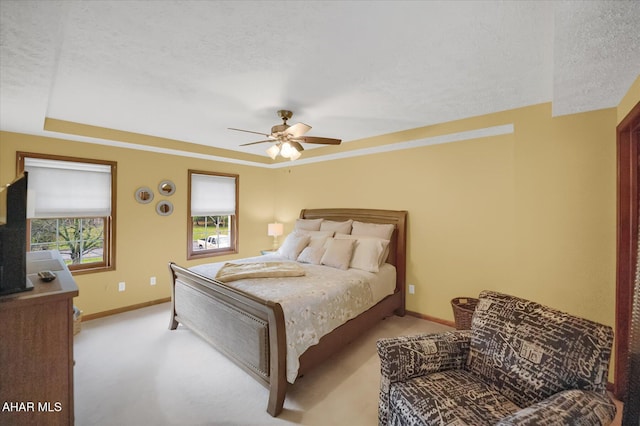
250 329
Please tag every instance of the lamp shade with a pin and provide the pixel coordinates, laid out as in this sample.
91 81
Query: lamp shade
286 150
275 229
295 154
273 151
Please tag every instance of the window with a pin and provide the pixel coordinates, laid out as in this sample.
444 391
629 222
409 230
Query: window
69 209
213 214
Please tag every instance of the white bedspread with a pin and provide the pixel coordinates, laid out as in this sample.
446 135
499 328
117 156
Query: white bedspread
316 303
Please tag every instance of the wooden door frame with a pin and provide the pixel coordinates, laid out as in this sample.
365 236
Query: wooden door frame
628 187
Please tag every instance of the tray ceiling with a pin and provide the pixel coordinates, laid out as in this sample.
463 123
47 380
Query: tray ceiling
188 70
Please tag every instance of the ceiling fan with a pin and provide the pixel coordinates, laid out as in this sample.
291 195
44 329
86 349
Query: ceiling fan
287 138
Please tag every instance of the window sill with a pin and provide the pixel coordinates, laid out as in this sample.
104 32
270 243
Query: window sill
210 253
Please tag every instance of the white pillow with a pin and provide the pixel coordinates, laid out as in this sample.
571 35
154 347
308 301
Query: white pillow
311 255
338 227
308 224
378 230
318 238
338 253
293 245
368 252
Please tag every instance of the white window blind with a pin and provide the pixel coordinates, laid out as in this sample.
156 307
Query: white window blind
68 188
213 195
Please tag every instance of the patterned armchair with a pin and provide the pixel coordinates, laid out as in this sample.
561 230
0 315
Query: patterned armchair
520 364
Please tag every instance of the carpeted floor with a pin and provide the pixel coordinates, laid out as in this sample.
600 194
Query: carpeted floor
131 370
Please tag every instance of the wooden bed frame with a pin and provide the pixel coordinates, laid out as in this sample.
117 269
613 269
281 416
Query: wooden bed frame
250 331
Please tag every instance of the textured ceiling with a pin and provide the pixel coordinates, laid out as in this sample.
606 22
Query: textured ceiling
188 70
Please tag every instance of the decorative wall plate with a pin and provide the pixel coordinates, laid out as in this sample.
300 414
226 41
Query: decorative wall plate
166 187
164 208
144 195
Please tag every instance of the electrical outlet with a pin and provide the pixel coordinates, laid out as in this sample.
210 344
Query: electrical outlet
121 286
412 289
152 281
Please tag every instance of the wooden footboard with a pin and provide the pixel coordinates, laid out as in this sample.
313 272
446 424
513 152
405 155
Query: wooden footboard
248 330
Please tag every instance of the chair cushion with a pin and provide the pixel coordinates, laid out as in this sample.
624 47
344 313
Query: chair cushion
529 352
452 397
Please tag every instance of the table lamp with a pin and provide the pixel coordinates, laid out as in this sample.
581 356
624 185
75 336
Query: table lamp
275 230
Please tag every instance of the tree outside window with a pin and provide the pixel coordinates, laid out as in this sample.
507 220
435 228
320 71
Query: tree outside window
79 240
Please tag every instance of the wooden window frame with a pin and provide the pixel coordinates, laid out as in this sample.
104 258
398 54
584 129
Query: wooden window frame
109 262
233 225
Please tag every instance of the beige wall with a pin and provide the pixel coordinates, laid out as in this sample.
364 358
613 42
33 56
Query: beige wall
145 241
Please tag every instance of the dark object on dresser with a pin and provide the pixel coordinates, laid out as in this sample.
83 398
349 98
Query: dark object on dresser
13 240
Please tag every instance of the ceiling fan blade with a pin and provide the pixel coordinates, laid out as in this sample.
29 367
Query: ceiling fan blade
324 141
253 143
298 129
249 131
296 145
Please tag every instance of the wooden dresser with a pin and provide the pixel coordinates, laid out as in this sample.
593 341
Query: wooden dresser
36 347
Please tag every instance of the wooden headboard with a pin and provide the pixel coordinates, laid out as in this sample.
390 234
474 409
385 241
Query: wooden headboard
398 243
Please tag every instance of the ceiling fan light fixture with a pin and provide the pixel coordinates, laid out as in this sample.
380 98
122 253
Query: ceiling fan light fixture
287 150
273 151
295 154
288 138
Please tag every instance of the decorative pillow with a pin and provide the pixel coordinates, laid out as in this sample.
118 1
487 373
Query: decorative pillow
338 227
308 224
311 255
293 245
368 252
318 238
338 253
378 230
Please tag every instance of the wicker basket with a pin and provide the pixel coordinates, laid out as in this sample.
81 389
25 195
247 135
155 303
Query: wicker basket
463 308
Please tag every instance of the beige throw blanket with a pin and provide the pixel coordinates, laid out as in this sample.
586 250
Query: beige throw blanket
237 271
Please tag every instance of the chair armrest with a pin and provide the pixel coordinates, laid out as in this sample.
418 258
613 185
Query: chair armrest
567 407
403 358
406 357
